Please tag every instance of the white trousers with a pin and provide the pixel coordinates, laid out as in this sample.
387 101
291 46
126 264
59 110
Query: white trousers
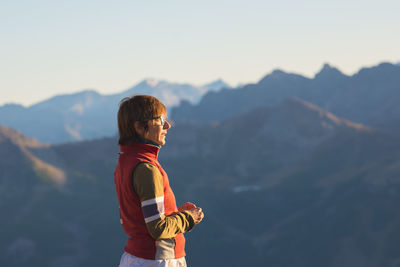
128 260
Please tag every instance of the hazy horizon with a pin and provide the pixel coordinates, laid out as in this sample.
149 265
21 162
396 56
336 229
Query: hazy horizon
25 104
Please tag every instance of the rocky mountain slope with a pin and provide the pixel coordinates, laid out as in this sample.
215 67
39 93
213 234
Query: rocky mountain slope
283 185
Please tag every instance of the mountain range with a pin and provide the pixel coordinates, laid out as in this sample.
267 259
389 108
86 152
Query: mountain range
281 185
88 114
371 96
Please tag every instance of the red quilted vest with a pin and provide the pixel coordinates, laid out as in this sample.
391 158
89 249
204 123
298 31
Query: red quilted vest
140 243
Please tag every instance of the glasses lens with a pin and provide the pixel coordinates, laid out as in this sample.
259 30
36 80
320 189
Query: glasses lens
162 120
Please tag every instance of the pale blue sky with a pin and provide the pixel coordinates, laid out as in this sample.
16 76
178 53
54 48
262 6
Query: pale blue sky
54 47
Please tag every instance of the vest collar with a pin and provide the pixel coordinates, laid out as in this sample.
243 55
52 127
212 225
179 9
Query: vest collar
148 149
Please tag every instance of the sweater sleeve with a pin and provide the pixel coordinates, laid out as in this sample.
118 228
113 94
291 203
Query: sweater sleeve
148 185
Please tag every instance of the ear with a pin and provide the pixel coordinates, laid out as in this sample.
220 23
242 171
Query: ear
138 128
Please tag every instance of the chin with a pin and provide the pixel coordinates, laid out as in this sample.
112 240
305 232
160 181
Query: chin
162 141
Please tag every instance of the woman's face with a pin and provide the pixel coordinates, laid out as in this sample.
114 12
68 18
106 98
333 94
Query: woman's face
157 131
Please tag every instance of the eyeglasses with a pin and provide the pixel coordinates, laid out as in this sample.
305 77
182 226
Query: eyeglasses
162 120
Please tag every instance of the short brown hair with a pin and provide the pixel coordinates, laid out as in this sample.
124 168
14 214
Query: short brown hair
136 108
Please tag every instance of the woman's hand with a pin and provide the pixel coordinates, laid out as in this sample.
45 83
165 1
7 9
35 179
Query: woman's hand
197 214
187 206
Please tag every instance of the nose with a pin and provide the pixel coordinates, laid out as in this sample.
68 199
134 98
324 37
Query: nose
167 125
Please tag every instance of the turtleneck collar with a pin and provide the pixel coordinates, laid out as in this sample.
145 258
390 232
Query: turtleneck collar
146 141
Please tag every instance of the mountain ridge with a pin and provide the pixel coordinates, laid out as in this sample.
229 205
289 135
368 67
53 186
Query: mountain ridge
88 114
370 96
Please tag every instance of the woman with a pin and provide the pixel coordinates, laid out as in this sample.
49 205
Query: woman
148 211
